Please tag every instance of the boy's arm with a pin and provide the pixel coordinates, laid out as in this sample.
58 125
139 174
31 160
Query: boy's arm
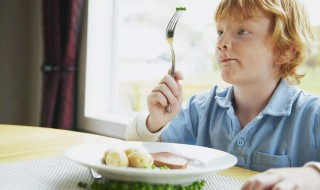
137 129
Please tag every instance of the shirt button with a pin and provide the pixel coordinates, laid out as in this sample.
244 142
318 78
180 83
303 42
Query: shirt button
240 142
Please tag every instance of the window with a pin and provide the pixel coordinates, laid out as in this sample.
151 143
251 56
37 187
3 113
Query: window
127 54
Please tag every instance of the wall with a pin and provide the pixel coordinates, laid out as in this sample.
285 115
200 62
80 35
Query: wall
20 61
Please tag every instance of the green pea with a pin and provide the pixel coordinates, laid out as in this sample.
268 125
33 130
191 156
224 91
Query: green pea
119 185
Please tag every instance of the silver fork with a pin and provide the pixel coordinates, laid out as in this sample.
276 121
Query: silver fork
95 174
169 35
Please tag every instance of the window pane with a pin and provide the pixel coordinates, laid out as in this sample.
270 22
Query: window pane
144 54
99 58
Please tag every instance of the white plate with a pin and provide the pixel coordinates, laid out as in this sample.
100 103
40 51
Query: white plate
207 160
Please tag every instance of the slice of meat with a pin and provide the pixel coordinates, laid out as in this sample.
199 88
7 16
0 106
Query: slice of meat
171 160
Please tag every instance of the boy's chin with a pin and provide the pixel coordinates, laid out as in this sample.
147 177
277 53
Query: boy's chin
228 78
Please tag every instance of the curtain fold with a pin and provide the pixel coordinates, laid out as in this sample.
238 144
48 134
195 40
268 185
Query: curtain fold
62 21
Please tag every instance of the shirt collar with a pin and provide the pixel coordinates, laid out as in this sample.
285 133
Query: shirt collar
225 97
280 103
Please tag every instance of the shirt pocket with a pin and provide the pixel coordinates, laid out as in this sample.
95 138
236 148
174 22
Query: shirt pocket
263 161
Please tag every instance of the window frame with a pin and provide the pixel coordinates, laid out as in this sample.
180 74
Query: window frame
112 124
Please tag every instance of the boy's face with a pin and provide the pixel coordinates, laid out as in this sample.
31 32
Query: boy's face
245 52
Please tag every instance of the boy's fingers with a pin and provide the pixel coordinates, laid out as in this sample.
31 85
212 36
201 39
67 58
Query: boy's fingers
262 181
158 97
285 185
171 84
177 74
180 90
166 92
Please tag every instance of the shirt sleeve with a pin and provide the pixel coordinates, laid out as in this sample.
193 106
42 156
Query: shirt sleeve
137 129
183 128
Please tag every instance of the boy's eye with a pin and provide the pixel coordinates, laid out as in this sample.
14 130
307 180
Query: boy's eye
219 32
243 32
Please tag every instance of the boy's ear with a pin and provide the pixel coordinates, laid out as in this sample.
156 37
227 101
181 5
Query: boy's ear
286 56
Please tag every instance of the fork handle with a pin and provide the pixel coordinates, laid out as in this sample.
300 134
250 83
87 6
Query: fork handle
168 108
173 60
173 64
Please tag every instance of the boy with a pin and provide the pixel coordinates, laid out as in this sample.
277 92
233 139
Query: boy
261 119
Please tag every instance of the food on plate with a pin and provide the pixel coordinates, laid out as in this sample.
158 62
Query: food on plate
105 157
171 160
128 151
116 157
133 157
113 184
140 159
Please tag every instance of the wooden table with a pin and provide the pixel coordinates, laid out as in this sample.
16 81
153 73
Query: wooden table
22 143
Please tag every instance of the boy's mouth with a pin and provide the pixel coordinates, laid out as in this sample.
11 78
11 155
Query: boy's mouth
226 60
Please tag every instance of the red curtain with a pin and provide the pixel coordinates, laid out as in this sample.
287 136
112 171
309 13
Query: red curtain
62 20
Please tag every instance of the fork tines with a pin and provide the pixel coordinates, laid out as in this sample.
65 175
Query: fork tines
172 23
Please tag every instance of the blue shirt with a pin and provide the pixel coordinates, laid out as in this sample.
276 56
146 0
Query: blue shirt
285 134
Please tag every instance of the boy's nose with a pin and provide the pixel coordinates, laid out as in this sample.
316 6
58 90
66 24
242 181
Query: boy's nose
223 43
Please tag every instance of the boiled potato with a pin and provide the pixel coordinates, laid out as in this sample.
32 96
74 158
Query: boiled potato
117 158
128 151
140 159
105 157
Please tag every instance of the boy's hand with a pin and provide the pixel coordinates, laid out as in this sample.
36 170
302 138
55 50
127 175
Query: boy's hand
169 90
285 179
